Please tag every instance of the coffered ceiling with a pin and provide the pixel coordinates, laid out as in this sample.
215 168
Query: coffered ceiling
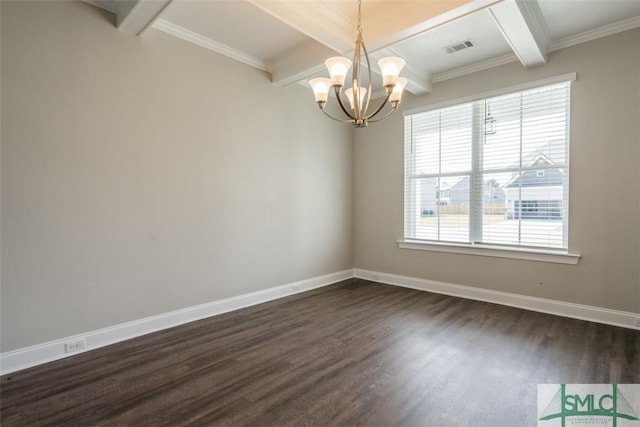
290 39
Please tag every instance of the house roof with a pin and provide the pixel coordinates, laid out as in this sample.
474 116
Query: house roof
552 177
549 154
553 152
542 177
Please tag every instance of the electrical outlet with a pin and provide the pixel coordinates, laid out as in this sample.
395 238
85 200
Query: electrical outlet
72 346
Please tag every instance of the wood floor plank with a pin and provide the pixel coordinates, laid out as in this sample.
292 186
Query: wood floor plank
354 353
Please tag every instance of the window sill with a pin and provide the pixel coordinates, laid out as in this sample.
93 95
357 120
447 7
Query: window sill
492 251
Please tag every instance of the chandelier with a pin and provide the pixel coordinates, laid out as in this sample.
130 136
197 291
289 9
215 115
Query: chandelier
359 96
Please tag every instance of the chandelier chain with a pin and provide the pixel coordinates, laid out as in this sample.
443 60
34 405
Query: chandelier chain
360 17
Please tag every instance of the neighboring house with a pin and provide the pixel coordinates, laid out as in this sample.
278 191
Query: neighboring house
456 195
533 194
431 196
492 194
538 193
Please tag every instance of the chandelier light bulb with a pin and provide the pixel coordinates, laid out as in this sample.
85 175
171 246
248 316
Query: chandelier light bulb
396 94
361 93
390 68
321 87
338 67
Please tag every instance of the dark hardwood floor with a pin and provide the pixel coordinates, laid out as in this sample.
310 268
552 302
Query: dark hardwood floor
354 353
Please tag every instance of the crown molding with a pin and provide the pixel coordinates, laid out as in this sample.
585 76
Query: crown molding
207 43
596 33
475 67
586 36
338 15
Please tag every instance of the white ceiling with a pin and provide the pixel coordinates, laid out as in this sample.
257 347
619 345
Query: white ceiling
427 54
237 24
291 38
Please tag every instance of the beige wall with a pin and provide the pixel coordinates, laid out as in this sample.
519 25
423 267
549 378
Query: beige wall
604 185
144 175
133 184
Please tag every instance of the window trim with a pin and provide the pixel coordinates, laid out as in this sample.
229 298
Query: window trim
528 254
569 77
561 256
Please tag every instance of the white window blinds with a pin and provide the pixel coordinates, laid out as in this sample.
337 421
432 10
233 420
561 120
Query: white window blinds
493 171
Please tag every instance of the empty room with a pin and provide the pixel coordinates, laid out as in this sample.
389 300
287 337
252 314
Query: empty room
320 213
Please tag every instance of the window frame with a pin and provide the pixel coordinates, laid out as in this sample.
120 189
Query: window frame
560 255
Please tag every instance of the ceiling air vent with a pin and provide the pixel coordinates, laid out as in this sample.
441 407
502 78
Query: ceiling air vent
457 47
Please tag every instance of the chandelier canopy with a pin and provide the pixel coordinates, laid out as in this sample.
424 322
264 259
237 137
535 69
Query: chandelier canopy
358 95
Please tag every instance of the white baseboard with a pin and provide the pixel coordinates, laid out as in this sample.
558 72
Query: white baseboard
624 319
23 358
53 350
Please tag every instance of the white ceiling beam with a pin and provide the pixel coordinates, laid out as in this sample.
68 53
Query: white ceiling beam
419 82
136 16
107 5
524 28
321 21
383 26
301 63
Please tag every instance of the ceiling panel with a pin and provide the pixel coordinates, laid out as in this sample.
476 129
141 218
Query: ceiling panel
569 17
427 51
236 24
292 38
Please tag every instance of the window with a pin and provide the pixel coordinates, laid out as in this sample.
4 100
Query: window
507 187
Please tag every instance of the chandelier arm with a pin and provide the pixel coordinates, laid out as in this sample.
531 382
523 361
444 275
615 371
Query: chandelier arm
385 116
379 108
366 56
356 80
344 109
358 113
336 119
